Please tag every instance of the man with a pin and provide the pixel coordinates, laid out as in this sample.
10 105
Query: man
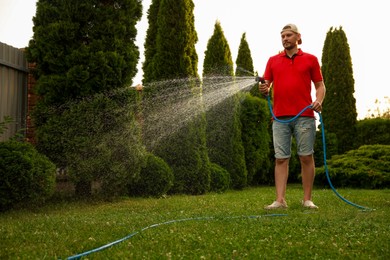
291 73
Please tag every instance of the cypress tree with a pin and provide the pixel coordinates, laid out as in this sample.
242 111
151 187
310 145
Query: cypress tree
171 70
339 113
244 61
150 41
254 118
223 119
218 58
85 56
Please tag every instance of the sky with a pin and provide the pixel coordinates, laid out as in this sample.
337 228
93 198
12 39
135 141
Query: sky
366 24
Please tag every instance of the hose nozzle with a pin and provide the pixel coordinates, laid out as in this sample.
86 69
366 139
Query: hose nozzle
260 79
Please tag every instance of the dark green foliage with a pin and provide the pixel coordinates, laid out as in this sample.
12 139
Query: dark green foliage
367 167
150 42
255 120
224 142
339 107
185 152
171 53
244 62
3 124
156 178
83 47
218 58
171 64
26 176
220 178
373 131
331 147
96 139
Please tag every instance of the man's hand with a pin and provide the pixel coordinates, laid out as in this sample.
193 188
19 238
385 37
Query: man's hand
264 88
317 106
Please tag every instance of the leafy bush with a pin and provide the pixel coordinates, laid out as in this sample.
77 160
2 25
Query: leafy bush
367 167
220 178
96 139
26 175
255 120
373 131
156 178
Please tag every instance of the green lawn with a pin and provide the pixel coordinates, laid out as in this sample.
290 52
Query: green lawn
232 225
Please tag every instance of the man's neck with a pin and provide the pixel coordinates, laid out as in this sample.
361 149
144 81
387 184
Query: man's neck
292 51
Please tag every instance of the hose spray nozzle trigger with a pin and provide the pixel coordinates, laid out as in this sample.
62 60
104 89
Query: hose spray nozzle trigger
260 79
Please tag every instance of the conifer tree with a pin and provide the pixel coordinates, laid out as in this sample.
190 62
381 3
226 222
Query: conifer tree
244 61
171 65
218 58
83 47
254 120
223 121
339 107
85 56
150 41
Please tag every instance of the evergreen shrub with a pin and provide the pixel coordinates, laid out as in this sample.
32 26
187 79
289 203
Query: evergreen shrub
220 178
26 176
156 178
367 167
96 139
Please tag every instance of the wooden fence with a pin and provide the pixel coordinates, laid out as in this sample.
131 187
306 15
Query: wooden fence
13 90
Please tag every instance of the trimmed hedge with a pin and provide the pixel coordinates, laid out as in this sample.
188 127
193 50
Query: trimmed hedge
220 178
367 167
26 176
156 178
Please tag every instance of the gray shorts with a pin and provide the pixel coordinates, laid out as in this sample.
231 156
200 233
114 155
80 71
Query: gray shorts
304 131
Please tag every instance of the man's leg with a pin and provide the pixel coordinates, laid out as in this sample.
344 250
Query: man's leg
281 176
308 172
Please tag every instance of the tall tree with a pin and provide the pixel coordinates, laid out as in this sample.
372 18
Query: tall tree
174 94
254 117
83 47
223 118
218 58
244 61
173 55
150 41
339 113
84 50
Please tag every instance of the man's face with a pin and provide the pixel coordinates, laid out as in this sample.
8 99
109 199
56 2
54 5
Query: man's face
290 39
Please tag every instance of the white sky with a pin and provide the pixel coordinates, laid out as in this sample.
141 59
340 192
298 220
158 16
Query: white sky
366 24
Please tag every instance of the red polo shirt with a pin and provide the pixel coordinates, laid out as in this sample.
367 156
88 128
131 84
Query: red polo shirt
292 78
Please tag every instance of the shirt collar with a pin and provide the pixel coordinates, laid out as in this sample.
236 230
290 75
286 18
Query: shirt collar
298 53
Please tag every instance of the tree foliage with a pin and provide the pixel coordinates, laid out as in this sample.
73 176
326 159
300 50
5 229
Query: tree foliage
339 113
218 58
224 141
84 51
244 61
171 53
171 63
83 47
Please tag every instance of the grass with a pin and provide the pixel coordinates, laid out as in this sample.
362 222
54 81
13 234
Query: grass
232 225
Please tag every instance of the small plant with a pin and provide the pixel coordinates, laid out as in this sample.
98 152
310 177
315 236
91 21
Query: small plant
3 125
26 175
220 178
156 178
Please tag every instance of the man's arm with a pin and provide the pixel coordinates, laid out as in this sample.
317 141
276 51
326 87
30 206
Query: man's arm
320 96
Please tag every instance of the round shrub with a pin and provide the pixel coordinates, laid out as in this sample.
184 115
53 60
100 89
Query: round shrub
156 178
220 178
25 175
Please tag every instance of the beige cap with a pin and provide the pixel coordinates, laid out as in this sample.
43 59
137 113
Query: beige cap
293 28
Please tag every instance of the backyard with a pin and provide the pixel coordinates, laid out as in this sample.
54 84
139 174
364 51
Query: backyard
232 225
